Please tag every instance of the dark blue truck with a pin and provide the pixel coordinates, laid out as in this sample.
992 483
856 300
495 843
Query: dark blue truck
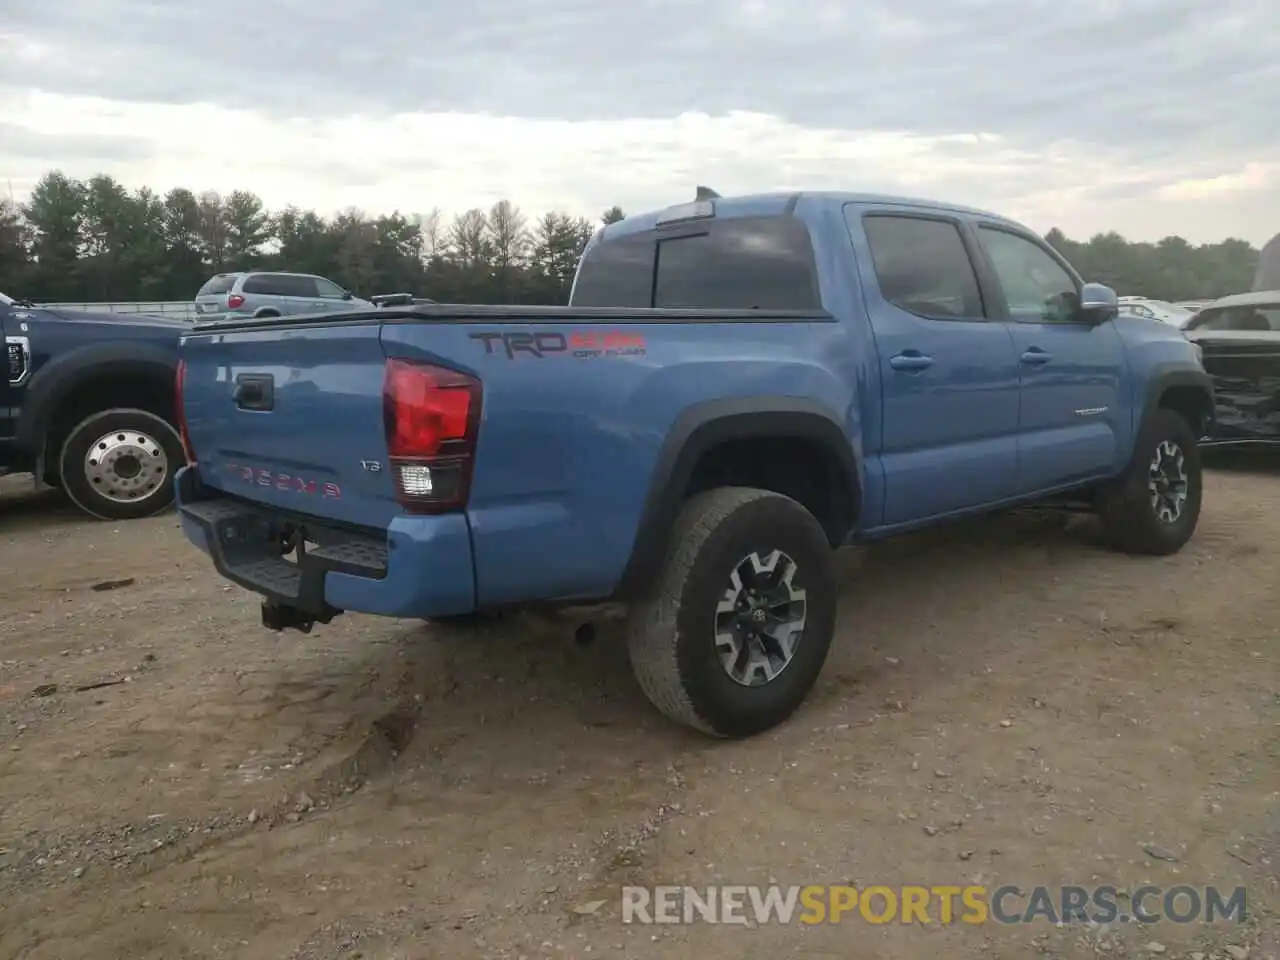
87 405
738 387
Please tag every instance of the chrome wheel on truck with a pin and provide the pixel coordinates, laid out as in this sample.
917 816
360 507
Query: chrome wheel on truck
119 464
1167 481
736 628
761 619
1154 506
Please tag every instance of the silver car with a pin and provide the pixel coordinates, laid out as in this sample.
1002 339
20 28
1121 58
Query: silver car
262 294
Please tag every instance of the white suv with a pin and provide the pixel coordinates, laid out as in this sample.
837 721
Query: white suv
1160 310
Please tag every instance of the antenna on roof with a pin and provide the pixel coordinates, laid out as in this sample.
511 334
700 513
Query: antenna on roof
706 193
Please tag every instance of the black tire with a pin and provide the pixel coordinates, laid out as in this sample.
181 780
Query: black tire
671 634
105 493
266 313
1130 519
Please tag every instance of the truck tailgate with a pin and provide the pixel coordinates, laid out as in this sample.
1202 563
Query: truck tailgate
293 418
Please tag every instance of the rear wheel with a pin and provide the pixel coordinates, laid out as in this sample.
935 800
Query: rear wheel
119 464
737 627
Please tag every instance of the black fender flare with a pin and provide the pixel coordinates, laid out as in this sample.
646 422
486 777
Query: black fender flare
56 379
704 426
1166 376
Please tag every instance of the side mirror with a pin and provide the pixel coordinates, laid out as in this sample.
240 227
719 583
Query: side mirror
347 295
1098 303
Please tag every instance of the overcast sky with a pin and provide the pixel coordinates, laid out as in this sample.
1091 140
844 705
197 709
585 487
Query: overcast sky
1149 117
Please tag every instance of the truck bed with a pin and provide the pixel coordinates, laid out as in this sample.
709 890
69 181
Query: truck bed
576 404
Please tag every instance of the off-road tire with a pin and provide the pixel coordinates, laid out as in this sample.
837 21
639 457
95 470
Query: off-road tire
119 421
671 632
1129 520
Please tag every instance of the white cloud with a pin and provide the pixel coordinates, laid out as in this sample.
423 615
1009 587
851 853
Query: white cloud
416 161
1250 178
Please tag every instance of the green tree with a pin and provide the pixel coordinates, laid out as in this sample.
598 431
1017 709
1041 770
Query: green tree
248 228
55 217
15 249
76 240
183 267
215 240
558 240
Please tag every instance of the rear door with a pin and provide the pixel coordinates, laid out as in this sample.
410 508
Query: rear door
1072 425
949 373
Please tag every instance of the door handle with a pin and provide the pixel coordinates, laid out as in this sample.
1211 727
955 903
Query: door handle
1036 356
910 360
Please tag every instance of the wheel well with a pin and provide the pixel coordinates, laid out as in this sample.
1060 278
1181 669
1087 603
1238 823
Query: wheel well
95 394
267 312
1191 403
801 468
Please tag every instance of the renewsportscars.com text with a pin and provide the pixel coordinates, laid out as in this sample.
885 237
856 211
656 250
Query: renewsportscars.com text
941 904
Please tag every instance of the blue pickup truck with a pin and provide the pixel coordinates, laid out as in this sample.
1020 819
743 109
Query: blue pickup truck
738 387
87 405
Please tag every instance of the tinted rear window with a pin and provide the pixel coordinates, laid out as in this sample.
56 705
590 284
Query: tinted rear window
281 285
219 284
922 266
617 273
764 263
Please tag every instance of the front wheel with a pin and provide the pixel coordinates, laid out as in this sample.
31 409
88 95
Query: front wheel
1153 508
735 631
119 464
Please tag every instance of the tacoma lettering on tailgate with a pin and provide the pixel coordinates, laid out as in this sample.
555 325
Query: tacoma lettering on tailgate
284 481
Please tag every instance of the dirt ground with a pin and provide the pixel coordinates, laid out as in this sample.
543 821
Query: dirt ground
1006 702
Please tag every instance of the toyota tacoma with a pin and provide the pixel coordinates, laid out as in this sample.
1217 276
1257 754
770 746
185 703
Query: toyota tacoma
738 387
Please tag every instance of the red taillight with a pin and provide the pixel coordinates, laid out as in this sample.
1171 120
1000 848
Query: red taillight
431 416
234 301
180 382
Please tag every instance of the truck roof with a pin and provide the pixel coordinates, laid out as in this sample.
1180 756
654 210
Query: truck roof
777 203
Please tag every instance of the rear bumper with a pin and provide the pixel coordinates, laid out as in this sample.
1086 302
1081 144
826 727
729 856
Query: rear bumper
420 567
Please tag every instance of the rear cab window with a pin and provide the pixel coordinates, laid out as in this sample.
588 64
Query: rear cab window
922 265
734 263
220 284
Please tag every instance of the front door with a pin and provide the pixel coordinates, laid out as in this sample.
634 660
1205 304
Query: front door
332 296
1073 423
949 374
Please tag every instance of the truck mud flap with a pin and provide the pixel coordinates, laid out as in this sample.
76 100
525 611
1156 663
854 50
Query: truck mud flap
284 559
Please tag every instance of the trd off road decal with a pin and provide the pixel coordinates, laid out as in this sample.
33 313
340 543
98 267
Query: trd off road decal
579 344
